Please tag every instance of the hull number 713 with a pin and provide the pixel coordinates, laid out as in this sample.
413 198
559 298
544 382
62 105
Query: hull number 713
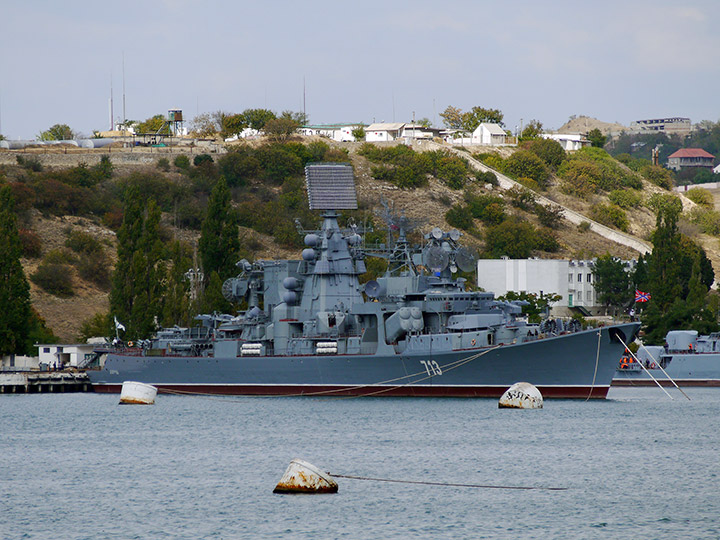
432 367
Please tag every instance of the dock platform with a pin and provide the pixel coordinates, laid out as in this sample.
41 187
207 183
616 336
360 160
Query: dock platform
41 382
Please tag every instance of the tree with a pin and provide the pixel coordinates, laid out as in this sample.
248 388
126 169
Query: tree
596 138
203 125
612 282
177 306
257 118
424 122
219 244
358 133
58 132
452 117
677 278
233 125
16 314
532 130
154 124
280 129
537 304
478 115
300 118
137 287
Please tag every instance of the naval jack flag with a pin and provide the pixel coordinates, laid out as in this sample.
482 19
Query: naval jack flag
118 325
641 296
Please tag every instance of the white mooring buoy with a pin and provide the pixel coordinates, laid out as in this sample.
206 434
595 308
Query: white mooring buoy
137 393
304 477
521 395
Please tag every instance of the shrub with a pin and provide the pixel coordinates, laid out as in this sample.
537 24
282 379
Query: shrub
610 215
489 209
31 243
549 216
82 242
163 164
658 176
239 166
54 279
526 164
202 158
584 226
459 216
487 177
104 169
625 198
94 267
701 197
707 220
59 256
182 162
529 183
452 171
512 238
29 163
596 166
493 161
550 151
521 197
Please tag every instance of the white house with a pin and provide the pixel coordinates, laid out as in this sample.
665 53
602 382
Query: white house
57 355
716 170
571 279
336 132
418 131
489 135
569 141
383 132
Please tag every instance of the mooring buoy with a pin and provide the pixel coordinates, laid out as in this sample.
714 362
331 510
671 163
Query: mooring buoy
521 395
304 477
137 393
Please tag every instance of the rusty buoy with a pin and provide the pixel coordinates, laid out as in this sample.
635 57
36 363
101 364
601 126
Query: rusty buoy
137 393
521 395
304 477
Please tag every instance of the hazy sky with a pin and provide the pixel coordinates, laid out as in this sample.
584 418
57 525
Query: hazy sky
617 61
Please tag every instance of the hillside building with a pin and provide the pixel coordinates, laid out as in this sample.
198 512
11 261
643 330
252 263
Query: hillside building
383 132
336 132
667 125
489 135
690 157
569 141
571 279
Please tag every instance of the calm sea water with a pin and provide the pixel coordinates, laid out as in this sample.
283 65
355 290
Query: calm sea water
639 465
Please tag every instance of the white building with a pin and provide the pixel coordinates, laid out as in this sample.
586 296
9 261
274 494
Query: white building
571 279
569 141
336 132
57 355
418 131
383 132
489 135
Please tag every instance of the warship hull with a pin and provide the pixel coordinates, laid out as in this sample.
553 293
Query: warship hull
575 365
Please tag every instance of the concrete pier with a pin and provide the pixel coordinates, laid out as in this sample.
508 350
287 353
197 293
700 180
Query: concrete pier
41 382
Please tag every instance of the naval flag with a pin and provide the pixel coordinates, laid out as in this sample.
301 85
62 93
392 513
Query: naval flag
641 296
118 326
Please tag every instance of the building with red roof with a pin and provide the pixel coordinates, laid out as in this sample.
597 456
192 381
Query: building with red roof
690 157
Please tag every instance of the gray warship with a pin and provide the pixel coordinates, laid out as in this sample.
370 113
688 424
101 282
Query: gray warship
687 358
311 328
